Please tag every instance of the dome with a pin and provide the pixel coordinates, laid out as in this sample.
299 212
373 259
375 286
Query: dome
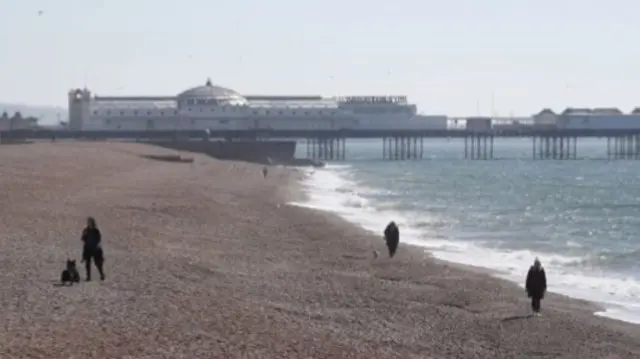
208 91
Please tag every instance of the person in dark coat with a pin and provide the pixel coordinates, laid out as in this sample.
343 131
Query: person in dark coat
536 285
92 249
392 236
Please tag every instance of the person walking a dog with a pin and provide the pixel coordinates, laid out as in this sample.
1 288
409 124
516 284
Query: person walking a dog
92 248
536 285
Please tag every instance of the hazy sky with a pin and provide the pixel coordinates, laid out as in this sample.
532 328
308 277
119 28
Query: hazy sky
448 56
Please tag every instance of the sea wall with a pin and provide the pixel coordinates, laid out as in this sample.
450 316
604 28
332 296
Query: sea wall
250 151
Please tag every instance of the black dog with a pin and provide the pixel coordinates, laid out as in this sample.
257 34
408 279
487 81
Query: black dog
70 275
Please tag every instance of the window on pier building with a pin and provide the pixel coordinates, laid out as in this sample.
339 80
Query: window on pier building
266 112
161 113
193 121
135 112
255 112
148 113
95 112
121 113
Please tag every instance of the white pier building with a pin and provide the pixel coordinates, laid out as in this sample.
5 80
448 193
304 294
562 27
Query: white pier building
218 108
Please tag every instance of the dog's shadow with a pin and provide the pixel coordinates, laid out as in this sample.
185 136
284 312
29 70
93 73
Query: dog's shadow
57 283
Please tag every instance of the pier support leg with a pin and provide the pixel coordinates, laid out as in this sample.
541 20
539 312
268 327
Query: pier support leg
623 147
556 147
478 146
332 150
491 147
402 148
466 147
327 149
384 148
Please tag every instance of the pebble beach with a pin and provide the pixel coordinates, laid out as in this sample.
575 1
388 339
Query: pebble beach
206 259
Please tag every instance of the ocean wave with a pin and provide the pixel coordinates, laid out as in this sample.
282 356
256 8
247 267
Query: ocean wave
618 261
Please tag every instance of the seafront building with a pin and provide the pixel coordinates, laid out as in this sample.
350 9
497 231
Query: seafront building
218 108
17 122
589 119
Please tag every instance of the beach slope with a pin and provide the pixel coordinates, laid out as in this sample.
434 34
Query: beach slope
205 260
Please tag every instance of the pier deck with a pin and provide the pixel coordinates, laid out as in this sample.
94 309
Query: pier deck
397 144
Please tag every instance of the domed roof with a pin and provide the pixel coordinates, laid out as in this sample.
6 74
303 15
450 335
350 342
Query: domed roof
208 91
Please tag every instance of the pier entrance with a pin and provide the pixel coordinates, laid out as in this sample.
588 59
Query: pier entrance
400 148
625 147
478 146
328 149
555 147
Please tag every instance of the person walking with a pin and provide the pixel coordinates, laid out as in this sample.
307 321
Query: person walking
92 248
392 236
536 285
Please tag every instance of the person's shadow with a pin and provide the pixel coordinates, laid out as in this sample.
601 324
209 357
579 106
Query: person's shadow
517 317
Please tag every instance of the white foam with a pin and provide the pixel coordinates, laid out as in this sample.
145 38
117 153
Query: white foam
331 189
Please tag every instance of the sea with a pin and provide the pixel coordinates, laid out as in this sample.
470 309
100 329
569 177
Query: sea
580 217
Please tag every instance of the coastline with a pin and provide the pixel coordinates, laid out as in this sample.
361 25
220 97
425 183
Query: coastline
494 274
363 199
494 312
205 259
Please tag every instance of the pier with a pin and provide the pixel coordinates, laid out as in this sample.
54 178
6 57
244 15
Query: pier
623 147
327 148
554 147
402 148
330 145
478 146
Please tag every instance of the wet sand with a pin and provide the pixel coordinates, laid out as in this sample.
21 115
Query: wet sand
204 259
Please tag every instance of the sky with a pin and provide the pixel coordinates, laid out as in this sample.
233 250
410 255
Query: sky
454 57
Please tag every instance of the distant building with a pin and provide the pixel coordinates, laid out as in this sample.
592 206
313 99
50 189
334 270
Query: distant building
587 118
16 122
478 124
218 108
